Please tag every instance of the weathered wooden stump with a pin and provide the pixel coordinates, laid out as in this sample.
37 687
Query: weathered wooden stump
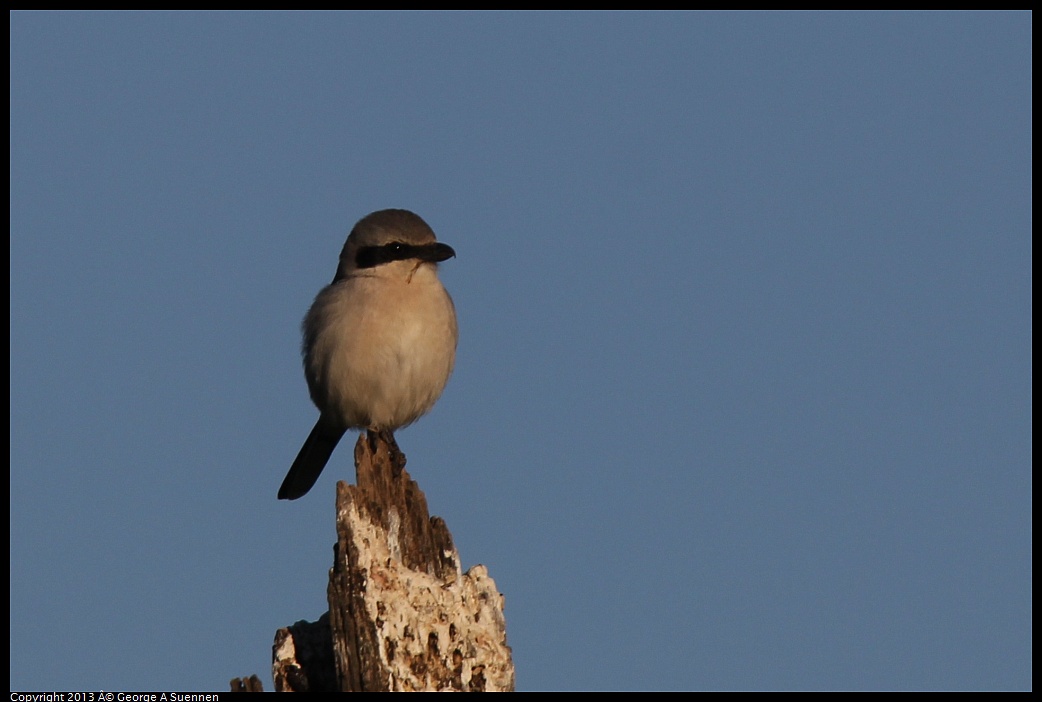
402 616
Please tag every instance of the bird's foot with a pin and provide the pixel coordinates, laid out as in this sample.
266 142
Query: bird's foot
394 453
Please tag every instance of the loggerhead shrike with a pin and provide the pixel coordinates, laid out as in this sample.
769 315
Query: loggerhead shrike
379 341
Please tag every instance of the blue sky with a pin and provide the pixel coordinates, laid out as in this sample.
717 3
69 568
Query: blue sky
743 391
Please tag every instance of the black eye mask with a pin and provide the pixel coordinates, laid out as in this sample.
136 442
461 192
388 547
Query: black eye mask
371 256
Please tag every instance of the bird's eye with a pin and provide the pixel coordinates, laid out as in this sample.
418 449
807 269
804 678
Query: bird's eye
371 256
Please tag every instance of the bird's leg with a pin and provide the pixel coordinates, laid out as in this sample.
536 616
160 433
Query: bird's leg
394 453
397 457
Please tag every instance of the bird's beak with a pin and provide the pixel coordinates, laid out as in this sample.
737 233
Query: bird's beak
430 253
437 252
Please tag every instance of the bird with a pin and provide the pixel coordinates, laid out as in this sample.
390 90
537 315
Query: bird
379 342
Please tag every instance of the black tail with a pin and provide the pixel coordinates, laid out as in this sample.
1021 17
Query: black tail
313 456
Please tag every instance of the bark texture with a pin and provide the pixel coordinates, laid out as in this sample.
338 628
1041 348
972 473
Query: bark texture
402 616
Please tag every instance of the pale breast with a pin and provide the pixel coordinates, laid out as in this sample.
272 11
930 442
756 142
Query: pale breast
381 350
